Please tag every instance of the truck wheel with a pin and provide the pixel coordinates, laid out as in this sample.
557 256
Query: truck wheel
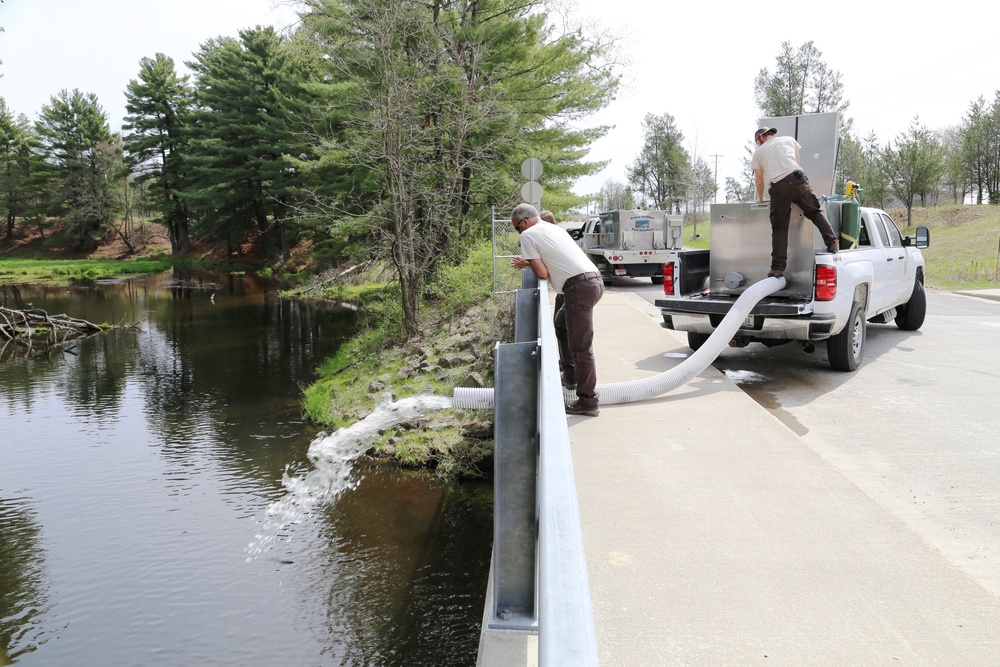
910 316
846 349
696 340
607 281
657 280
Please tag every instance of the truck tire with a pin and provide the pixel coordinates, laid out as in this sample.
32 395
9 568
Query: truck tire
846 349
910 316
696 340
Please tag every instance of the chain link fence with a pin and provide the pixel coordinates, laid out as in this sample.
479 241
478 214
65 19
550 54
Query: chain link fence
506 246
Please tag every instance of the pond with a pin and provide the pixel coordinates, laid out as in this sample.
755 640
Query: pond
136 467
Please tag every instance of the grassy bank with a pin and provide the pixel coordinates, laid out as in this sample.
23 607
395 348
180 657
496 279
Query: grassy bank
461 322
54 258
55 270
965 245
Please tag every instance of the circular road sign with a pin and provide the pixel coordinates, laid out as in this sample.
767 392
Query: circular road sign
531 169
531 192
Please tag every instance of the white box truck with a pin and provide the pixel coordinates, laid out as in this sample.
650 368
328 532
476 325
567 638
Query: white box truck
631 243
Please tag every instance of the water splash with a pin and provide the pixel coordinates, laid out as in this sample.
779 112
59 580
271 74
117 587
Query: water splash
332 457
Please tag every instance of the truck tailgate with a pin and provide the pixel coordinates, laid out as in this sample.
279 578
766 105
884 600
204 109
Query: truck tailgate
720 305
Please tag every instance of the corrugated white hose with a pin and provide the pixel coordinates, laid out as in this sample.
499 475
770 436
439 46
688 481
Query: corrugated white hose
471 398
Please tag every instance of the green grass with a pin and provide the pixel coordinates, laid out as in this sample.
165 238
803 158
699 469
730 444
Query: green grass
965 245
43 270
696 235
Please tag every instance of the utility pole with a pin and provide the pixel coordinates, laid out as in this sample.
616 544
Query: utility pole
716 176
694 229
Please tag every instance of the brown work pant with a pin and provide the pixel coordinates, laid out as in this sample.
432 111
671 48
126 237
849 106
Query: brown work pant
574 324
793 189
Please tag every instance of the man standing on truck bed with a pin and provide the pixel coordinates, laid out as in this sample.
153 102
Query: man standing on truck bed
553 255
775 163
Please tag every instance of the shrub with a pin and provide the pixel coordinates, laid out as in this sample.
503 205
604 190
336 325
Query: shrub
458 287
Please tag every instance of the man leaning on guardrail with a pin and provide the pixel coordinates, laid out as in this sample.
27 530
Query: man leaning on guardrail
552 255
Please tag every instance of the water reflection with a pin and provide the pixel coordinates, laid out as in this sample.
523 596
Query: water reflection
146 452
24 595
404 585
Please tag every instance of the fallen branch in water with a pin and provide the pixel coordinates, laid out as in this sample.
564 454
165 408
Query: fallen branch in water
35 328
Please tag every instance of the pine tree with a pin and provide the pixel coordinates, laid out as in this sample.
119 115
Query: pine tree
663 165
81 163
245 133
18 157
158 106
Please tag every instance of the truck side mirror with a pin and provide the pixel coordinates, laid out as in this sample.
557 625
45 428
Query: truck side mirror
922 239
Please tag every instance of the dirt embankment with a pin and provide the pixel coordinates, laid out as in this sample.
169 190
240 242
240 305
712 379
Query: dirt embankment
55 242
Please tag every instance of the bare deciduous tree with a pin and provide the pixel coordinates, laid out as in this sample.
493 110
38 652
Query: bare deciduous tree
615 196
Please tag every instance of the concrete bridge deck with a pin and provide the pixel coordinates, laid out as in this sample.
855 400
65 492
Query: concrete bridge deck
714 536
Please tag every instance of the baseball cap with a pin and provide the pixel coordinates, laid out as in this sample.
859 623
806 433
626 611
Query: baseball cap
764 130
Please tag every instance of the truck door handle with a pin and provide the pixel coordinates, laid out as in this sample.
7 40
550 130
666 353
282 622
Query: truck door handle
889 259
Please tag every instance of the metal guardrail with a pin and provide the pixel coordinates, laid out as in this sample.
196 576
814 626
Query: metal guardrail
536 515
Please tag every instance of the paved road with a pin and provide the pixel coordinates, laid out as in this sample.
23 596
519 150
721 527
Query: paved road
917 427
716 534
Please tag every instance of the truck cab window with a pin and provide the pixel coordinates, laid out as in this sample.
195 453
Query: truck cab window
863 239
880 229
895 238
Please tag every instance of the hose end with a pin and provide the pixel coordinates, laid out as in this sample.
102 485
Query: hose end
472 398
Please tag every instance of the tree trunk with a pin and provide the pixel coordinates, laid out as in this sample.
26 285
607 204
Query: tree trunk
266 233
183 227
286 251
404 258
172 232
124 237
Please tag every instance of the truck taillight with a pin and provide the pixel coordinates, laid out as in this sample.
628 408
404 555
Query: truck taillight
668 278
826 283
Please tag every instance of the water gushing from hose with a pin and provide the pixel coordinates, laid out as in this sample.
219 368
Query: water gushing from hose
332 457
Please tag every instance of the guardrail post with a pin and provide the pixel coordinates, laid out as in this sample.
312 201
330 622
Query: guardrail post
515 433
528 279
526 317
538 608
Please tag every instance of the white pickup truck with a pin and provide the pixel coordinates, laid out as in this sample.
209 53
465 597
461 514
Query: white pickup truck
876 277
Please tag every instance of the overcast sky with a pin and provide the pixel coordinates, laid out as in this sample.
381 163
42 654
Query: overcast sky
51 45
694 60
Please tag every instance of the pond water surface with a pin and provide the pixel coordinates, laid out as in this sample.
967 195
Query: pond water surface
134 472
